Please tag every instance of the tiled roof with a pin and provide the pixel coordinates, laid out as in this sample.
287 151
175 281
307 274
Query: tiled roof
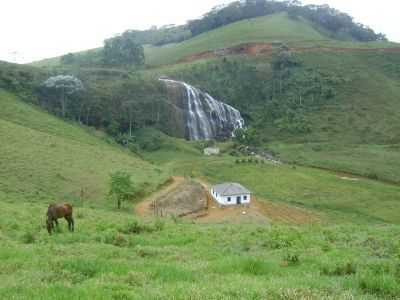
230 189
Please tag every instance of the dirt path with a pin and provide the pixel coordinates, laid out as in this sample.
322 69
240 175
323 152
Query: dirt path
144 208
260 210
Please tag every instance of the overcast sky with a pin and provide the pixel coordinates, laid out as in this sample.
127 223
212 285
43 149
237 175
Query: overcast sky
36 29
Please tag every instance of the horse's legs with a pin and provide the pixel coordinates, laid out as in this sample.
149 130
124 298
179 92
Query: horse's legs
55 221
70 221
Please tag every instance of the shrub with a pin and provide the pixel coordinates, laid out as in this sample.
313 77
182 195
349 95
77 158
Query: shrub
132 227
382 285
372 176
28 238
291 259
119 240
340 270
159 225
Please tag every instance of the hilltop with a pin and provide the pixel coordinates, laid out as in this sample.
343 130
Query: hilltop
276 28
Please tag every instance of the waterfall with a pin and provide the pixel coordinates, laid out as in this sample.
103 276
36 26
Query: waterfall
207 118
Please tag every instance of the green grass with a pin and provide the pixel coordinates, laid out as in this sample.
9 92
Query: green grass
272 28
373 161
337 199
45 159
114 255
263 29
354 253
102 260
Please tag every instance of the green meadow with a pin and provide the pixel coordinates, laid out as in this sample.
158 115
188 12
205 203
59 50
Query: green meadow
113 255
345 170
352 253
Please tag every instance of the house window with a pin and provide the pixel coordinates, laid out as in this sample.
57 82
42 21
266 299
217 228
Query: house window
229 199
245 198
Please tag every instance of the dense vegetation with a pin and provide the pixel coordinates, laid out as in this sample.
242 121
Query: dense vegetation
160 36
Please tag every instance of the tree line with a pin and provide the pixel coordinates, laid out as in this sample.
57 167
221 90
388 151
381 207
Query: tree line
340 24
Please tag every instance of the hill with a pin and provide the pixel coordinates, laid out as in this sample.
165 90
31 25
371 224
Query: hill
275 28
44 159
328 109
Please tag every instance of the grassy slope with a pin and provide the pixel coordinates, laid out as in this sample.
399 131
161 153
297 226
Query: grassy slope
263 29
278 27
105 259
45 159
328 193
359 131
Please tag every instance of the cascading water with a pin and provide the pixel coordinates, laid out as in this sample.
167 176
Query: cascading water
207 118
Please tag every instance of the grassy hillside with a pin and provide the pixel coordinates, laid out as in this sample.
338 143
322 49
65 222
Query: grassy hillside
272 28
356 130
113 256
45 159
263 29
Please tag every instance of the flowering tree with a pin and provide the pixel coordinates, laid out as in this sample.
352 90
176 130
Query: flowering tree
65 87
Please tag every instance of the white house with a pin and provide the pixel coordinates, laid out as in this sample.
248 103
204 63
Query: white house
211 151
231 194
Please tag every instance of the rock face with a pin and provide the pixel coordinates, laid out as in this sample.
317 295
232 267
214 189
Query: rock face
205 118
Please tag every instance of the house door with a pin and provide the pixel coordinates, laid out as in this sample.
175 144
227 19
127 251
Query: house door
239 200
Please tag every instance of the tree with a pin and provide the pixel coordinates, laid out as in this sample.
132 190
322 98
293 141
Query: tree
123 50
68 59
64 87
121 187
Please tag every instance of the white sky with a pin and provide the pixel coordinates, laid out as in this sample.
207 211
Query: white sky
36 29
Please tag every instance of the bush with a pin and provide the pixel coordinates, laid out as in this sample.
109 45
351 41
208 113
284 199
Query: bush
159 225
340 270
382 285
372 176
132 227
291 259
119 240
28 238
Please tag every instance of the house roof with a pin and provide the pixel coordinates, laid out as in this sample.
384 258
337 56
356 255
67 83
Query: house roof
230 189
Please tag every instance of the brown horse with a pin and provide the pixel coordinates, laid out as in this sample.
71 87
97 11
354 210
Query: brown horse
58 211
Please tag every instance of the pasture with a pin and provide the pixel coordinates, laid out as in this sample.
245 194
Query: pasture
113 255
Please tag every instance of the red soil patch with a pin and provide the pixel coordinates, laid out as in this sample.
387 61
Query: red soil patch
254 49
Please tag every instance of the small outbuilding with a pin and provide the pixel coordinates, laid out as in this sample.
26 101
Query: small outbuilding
228 194
211 151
